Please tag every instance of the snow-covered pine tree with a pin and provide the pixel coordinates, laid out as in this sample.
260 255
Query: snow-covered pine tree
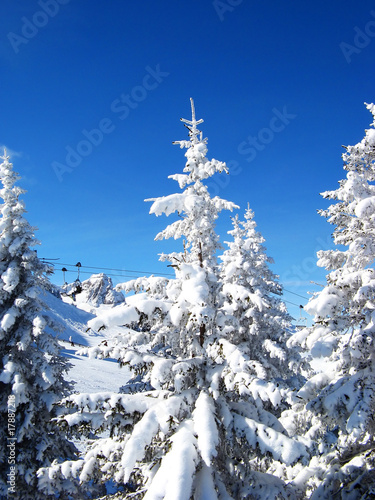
194 291
341 395
205 424
255 327
31 368
251 298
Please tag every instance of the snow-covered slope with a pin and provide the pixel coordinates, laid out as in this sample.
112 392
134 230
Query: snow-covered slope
90 375
72 320
94 375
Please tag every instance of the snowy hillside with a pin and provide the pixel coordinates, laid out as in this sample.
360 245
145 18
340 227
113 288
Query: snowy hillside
94 375
73 320
89 375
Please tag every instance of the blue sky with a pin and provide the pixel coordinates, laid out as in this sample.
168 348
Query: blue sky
280 86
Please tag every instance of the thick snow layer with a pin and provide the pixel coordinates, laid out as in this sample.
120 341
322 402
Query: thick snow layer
178 202
160 371
205 427
280 446
8 372
174 479
241 293
119 315
365 207
274 350
134 450
9 319
347 392
195 290
324 303
315 383
145 304
10 277
157 417
205 488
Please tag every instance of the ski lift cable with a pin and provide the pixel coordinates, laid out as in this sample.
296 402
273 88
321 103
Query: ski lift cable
289 291
288 302
108 274
110 269
138 271
142 272
294 293
122 270
131 276
145 272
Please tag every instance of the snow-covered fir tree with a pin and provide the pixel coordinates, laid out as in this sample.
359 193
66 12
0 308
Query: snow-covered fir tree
194 291
340 399
31 368
251 304
199 419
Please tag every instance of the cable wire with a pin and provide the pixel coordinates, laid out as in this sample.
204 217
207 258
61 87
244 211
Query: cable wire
107 274
288 302
107 268
294 293
140 272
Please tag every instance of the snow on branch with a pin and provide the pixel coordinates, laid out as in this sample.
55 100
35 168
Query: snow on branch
280 446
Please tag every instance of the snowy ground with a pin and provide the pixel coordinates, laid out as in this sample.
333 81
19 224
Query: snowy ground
94 375
90 375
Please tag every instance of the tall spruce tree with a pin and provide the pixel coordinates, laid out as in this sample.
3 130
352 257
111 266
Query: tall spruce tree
252 311
340 399
194 291
31 368
199 419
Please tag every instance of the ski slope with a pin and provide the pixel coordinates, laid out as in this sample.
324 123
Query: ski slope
90 375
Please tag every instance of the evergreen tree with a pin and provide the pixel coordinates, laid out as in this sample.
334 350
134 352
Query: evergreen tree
250 300
194 291
200 421
341 398
31 368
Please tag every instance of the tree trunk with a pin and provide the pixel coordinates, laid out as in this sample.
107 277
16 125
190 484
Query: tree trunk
202 331
200 255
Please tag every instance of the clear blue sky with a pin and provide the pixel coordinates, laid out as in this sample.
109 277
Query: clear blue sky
129 69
